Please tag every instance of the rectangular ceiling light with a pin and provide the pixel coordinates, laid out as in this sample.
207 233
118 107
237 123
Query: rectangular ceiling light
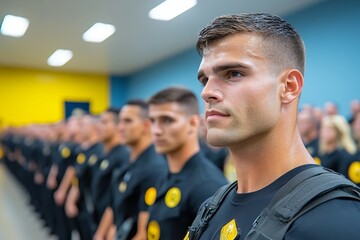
14 26
60 57
99 32
170 9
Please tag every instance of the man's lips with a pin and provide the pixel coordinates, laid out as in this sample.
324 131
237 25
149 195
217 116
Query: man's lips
212 114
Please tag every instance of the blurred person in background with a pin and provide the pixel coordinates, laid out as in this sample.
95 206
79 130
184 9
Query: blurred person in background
353 167
335 143
330 108
309 131
191 178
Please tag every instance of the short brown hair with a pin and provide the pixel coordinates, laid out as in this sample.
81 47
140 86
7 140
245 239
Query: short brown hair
182 96
283 44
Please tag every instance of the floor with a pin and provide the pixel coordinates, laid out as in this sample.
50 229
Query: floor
18 221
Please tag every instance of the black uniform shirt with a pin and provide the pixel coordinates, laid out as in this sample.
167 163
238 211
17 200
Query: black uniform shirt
102 172
133 187
87 158
352 168
336 160
180 196
336 219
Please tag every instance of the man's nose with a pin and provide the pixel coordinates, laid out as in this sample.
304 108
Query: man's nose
211 92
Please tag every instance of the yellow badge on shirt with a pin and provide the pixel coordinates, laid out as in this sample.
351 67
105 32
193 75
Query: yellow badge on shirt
93 159
354 172
172 197
187 236
81 158
122 187
65 152
153 232
150 196
317 160
229 231
104 164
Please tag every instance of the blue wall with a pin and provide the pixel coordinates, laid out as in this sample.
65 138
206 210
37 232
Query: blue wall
118 90
331 32
332 38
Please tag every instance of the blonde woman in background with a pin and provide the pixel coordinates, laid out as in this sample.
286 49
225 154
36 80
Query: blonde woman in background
335 144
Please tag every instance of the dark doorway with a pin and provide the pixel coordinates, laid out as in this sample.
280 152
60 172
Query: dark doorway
70 107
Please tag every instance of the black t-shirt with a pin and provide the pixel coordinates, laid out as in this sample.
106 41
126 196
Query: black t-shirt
102 172
133 187
336 160
85 159
335 219
180 196
352 168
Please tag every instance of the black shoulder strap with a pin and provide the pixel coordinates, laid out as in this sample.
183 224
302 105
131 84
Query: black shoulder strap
304 192
206 212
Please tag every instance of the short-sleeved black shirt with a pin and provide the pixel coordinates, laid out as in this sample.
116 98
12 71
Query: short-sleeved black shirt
335 219
180 196
352 168
133 187
102 172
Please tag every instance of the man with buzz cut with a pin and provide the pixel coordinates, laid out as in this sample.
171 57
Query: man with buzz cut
132 188
191 178
252 72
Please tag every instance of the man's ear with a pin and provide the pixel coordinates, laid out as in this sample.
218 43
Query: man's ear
293 82
194 121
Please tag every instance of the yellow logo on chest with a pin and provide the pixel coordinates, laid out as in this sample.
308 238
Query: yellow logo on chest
229 231
172 197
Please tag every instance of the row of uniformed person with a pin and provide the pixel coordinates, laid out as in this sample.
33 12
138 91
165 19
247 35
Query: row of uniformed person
137 174
333 142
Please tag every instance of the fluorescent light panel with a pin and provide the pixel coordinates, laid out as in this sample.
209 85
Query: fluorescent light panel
60 57
14 26
170 9
99 32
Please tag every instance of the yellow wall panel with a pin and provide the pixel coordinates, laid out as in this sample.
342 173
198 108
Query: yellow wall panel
34 96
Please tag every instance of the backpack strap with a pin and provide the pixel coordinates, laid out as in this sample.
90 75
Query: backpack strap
304 192
206 212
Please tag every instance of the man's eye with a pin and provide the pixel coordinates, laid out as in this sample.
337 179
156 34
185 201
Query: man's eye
167 120
234 74
203 81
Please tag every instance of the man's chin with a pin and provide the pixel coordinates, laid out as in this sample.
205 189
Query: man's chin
216 141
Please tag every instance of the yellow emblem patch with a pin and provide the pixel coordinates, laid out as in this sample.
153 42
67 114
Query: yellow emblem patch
354 172
172 197
65 152
187 236
153 232
93 159
150 196
1 152
317 160
122 187
104 164
81 158
229 231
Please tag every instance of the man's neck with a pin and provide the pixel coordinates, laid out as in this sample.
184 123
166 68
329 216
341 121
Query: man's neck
139 147
177 159
110 144
261 161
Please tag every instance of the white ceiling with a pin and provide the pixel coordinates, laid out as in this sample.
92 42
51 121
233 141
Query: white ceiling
138 42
